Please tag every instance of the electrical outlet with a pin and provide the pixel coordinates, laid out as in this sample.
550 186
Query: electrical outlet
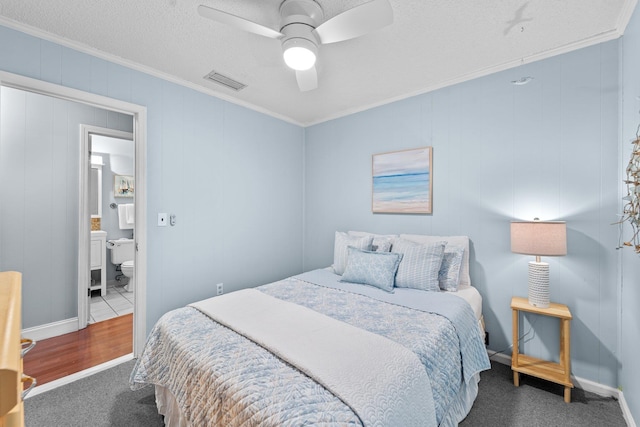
220 289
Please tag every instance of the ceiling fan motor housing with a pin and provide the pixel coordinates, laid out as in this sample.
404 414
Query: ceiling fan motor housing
291 9
299 19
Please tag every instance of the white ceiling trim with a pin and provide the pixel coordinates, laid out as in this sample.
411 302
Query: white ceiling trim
600 38
620 26
36 32
625 16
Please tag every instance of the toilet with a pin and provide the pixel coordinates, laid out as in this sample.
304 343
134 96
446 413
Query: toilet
122 253
127 270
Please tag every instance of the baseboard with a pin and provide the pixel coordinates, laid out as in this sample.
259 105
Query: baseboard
79 375
499 357
626 412
51 330
584 384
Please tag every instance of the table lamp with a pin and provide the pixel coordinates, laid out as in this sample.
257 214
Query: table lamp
539 238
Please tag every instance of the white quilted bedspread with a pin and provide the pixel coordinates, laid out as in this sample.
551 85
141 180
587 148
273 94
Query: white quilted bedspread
350 362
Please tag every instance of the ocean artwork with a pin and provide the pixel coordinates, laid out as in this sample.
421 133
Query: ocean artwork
402 181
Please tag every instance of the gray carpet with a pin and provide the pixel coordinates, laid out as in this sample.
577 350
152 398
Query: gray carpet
537 403
104 399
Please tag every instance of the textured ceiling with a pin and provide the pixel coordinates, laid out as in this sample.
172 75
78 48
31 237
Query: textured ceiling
431 44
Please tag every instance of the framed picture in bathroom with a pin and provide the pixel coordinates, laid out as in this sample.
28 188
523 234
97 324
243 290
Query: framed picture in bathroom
123 186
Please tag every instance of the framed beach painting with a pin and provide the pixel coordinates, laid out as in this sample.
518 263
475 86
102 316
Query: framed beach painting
123 186
402 181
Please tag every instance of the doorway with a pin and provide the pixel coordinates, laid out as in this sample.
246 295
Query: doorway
48 312
109 190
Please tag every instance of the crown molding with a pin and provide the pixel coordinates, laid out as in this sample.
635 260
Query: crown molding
81 47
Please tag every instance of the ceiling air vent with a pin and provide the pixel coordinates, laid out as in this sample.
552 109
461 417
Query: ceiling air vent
216 77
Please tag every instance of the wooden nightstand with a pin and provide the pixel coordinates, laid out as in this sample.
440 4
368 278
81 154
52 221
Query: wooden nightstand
559 373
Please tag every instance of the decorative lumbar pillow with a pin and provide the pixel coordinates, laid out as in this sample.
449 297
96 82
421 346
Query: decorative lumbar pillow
463 241
449 275
340 252
372 268
420 264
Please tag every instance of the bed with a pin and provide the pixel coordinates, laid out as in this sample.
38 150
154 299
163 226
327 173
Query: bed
318 349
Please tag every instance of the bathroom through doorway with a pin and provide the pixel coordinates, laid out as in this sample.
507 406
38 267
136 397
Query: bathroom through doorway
110 201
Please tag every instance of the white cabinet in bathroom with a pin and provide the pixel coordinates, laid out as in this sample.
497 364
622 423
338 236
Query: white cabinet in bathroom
98 257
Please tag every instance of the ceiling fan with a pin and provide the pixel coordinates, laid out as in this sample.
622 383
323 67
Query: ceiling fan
302 30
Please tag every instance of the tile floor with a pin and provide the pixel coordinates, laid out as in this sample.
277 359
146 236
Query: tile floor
116 302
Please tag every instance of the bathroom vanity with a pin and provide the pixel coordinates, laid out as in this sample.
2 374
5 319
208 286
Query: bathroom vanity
98 259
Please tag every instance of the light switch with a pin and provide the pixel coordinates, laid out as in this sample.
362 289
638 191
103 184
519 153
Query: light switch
162 220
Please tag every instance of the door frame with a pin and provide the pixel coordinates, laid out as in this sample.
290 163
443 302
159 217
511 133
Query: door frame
84 232
139 114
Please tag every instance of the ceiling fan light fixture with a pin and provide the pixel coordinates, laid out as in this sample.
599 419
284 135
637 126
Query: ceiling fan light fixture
303 28
299 54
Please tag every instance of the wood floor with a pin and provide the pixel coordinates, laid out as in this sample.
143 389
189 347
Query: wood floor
67 354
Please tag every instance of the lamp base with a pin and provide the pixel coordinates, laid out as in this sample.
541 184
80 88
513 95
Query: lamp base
539 284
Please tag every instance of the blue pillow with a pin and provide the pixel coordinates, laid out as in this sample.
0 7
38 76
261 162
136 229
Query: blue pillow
420 264
372 268
449 275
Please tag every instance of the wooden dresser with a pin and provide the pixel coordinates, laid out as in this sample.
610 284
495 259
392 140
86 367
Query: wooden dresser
12 351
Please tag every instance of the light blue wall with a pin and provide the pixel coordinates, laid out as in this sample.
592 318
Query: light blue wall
232 176
630 289
500 152
39 182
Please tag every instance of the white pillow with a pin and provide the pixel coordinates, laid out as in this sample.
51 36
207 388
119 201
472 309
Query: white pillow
381 242
465 279
340 249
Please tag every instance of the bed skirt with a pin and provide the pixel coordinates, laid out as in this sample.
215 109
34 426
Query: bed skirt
168 407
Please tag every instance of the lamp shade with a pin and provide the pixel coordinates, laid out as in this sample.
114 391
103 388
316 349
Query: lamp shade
539 238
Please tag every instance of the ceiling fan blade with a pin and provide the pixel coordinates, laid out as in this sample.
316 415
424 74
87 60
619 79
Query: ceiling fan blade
356 22
307 79
237 22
